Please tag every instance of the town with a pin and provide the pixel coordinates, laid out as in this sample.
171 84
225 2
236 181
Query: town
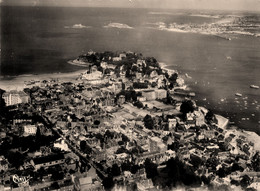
126 122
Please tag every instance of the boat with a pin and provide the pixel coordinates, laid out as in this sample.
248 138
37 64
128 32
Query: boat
238 94
254 86
187 76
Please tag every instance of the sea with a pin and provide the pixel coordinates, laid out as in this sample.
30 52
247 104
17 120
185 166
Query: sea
38 40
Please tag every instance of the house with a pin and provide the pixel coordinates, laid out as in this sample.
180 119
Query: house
116 59
88 184
144 185
108 99
14 97
61 145
210 134
138 75
93 78
149 94
172 123
3 164
85 183
47 161
121 100
153 74
103 65
122 56
160 93
29 130
141 62
199 118
190 119
156 145
141 98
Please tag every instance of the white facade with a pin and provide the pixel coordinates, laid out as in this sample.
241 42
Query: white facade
29 130
15 97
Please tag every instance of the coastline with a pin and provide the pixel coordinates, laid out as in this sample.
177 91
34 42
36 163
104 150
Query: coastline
7 83
17 82
224 122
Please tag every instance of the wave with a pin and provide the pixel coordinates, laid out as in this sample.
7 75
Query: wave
77 26
118 25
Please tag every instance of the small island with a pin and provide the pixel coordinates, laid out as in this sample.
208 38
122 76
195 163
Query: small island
124 121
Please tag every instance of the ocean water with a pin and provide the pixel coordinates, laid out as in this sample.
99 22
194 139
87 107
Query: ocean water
36 40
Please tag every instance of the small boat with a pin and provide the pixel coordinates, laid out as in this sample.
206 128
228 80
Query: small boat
238 94
254 86
187 76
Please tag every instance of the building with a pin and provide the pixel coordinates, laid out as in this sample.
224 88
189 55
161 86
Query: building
88 184
156 145
116 59
141 98
138 75
172 123
15 97
61 145
93 78
29 130
3 164
149 94
153 74
122 55
160 93
121 100
144 185
47 161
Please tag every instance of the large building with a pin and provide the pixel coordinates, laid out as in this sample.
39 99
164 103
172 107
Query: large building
149 94
156 145
29 130
160 93
47 161
15 97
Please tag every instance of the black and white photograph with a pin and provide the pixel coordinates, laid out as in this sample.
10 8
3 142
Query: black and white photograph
129 95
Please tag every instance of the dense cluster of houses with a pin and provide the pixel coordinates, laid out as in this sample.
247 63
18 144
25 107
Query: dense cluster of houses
98 119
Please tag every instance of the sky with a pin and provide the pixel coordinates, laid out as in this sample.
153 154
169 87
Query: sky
251 5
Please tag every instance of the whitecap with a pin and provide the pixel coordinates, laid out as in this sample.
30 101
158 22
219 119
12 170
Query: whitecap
118 25
77 26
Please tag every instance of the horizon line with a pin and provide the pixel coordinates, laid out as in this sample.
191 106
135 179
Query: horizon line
122 7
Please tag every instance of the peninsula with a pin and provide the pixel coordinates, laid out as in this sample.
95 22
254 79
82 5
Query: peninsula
124 121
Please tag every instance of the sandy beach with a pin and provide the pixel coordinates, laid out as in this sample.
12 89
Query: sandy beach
17 82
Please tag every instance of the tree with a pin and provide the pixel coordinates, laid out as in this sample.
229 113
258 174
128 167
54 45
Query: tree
245 181
139 104
150 169
256 162
108 183
126 166
85 148
125 138
210 117
148 122
96 122
173 78
115 171
186 107
196 161
55 186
